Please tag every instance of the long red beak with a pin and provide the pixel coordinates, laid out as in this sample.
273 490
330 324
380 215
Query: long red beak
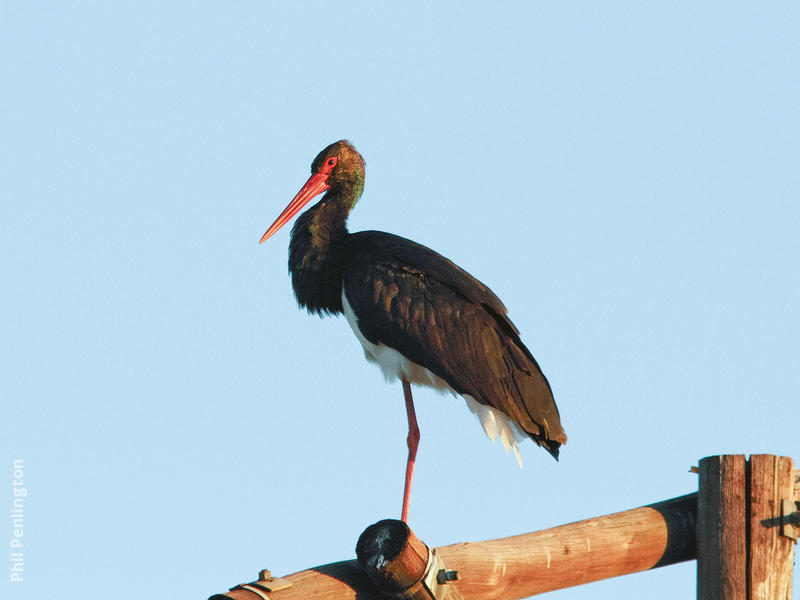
316 184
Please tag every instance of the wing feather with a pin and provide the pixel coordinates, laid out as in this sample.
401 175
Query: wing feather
410 298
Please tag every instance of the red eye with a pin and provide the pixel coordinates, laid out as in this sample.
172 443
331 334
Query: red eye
329 164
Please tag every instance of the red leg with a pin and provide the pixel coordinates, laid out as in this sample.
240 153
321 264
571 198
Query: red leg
413 442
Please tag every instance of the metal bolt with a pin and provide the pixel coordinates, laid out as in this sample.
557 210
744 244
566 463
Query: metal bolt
444 576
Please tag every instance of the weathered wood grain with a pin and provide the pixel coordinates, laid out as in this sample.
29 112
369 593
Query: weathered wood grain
771 554
528 564
722 529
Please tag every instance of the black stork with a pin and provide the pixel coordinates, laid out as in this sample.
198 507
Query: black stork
420 317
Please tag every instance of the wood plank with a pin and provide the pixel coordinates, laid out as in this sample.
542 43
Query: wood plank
771 554
722 529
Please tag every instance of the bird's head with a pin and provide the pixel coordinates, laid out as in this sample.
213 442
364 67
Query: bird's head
339 168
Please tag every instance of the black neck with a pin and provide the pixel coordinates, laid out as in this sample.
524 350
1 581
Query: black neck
315 253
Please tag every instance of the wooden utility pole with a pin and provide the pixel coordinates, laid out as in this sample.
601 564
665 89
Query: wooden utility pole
741 526
746 527
504 569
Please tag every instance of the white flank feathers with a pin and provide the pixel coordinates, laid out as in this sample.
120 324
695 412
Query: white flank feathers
394 365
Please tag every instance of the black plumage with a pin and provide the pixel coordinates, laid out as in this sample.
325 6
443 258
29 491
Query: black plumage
411 299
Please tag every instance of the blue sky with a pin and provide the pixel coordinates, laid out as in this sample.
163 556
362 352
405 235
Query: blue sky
623 176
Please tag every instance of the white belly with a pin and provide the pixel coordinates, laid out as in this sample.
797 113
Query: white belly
396 366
